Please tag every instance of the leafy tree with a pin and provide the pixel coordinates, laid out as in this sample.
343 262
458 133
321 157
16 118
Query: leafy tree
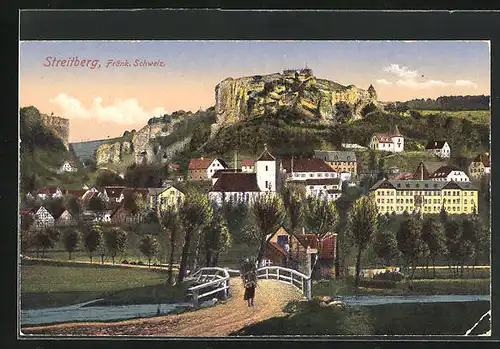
71 238
343 111
292 200
453 234
236 216
108 178
171 223
42 241
269 213
385 246
194 212
149 247
434 238
133 202
73 205
96 204
91 241
115 240
410 244
217 239
320 215
53 233
361 227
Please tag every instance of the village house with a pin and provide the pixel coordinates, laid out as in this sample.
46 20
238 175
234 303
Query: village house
202 169
49 193
122 216
449 173
439 148
142 193
300 169
480 166
42 217
425 196
112 193
217 173
340 161
160 199
392 142
68 166
287 249
65 219
353 146
236 187
248 165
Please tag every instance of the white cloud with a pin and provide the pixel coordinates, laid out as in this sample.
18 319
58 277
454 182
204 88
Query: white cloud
466 83
383 82
402 72
411 79
121 111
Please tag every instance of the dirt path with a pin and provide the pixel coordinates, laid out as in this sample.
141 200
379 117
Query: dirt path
221 320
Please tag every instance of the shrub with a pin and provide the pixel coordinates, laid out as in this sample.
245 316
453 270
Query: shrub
326 273
133 263
383 284
125 262
140 263
389 276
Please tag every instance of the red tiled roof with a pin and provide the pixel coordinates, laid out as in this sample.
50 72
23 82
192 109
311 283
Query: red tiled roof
307 165
236 182
404 176
89 195
327 250
47 190
199 164
386 137
247 162
278 247
306 240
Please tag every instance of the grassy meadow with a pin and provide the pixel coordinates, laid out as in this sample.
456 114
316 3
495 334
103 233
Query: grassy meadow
475 116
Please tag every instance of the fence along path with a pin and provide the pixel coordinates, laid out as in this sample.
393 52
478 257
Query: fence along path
229 316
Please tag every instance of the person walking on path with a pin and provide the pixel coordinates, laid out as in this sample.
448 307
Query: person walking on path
250 283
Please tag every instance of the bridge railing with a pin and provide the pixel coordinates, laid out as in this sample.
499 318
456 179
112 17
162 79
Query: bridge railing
289 276
207 279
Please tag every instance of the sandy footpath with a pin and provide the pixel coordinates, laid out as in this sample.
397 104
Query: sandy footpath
221 320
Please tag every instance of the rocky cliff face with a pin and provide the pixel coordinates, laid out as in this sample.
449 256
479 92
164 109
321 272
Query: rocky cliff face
248 97
112 152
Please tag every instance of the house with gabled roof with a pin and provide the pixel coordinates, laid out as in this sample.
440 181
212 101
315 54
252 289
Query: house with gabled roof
68 166
49 193
393 142
42 217
235 187
202 169
142 192
449 173
113 193
439 148
287 249
480 165
64 219
300 169
160 199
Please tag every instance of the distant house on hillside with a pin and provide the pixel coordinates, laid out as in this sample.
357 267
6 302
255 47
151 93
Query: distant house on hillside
392 142
49 193
113 193
340 161
439 148
202 169
449 173
65 219
480 165
248 165
68 166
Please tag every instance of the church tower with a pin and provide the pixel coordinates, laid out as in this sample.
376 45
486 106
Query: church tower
265 167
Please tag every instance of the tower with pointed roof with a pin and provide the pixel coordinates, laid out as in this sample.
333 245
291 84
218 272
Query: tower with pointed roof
265 167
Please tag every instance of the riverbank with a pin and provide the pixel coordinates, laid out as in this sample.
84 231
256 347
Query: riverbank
309 318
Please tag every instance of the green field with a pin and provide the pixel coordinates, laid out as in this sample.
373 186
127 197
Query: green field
49 285
475 116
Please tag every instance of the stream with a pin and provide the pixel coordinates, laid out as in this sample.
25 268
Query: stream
83 312
381 300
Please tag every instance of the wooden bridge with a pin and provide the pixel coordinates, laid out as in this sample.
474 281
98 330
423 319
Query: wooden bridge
216 281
